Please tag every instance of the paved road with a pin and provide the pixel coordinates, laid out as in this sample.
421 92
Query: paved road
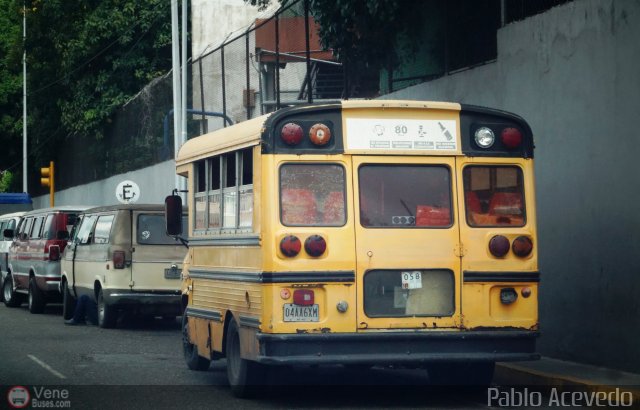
139 365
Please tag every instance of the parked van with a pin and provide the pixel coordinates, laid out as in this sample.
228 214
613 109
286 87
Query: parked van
34 256
122 258
10 222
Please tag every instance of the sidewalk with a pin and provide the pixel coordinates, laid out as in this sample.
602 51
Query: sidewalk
559 373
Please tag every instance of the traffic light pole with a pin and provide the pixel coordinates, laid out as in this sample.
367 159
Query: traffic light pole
47 179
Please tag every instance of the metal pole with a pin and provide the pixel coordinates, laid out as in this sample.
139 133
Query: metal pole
24 97
224 88
308 51
175 59
183 114
247 56
277 67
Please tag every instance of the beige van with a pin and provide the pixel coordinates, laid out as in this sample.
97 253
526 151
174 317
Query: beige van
122 258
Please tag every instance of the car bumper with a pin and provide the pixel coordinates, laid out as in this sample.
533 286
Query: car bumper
409 348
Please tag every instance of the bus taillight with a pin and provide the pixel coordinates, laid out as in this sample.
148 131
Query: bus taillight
315 245
522 246
291 134
511 137
499 246
303 297
290 246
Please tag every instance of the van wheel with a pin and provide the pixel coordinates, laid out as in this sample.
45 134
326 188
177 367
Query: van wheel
68 302
191 357
478 374
36 298
245 376
11 298
107 315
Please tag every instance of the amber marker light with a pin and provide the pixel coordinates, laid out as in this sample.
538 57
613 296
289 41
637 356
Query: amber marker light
319 134
290 246
285 293
291 134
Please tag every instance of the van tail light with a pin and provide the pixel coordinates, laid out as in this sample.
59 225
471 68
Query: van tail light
54 253
118 259
303 297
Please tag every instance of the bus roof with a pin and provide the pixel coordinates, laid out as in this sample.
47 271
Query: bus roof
241 135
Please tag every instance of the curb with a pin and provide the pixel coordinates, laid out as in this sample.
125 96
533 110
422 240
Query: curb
511 374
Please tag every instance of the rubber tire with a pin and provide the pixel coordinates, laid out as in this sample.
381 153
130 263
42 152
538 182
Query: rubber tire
68 302
245 376
477 374
11 297
36 298
107 315
190 351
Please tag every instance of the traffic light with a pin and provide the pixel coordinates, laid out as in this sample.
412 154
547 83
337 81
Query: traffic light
46 179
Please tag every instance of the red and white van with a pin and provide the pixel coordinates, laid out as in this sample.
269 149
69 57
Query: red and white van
34 257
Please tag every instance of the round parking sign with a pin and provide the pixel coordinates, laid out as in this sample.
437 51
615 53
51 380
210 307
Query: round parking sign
127 192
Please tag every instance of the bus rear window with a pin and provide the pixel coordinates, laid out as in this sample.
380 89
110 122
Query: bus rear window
494 196
405 196
312 195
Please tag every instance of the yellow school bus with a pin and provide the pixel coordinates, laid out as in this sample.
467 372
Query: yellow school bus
361 233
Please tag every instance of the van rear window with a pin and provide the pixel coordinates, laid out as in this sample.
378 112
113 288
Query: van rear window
151 230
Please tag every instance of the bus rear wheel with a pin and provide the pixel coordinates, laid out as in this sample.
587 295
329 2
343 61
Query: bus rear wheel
191 357
477 374
245 376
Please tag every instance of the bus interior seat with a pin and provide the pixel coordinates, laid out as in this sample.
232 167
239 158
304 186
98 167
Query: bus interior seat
432 216
505 203
299 206
334 208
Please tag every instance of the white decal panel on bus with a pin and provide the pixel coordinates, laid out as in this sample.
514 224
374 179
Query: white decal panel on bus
401 134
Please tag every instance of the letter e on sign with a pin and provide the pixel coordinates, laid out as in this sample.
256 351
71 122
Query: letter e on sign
127 192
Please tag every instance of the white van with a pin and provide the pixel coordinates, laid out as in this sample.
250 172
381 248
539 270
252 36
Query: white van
10 222
121 257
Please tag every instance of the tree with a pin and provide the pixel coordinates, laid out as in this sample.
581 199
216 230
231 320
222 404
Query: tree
6 179
365 34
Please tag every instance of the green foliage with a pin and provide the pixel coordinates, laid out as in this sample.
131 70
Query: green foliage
85 59
6 179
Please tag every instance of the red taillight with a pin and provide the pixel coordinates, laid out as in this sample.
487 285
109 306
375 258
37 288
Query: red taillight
54 253
315 245
511 137
303 297
319 134
118 259
499 246
522 246
290 245
291 134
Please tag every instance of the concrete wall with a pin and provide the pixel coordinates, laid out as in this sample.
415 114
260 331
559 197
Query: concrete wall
573 74
155 182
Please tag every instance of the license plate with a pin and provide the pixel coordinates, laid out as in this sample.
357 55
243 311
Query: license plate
172 273
296 313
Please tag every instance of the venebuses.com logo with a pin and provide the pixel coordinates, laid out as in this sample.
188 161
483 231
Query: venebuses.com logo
20 397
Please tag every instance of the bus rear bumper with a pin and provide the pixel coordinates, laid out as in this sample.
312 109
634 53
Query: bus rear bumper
413 348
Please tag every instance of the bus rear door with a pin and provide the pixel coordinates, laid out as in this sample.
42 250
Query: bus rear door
407 242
